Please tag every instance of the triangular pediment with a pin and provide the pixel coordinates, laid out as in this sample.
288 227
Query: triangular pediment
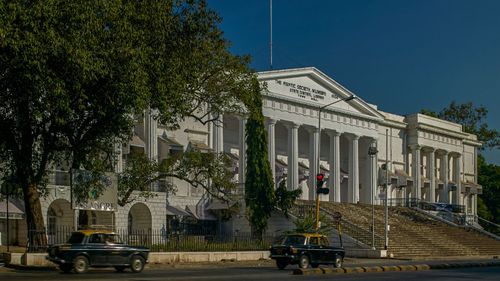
312 87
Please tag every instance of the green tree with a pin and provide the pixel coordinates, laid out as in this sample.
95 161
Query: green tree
73 73
260 198
285 199
489 178
192 166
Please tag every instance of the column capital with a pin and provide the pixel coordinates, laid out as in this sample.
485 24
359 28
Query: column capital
332 133
311 129
241 117
292 125
428 149
352 136
415 147
442 152
271 121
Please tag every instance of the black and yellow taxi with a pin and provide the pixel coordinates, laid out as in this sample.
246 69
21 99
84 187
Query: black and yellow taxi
306 249
97 248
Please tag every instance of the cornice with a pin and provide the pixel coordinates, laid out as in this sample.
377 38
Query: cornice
441 130
311 105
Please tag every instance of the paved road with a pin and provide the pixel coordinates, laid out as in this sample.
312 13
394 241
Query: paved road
253 272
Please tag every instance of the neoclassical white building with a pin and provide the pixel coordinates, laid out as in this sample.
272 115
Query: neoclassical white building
429 159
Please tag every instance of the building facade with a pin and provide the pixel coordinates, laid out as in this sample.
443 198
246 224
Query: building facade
426 159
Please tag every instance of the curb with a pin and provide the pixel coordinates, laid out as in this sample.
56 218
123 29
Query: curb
406 267
28 267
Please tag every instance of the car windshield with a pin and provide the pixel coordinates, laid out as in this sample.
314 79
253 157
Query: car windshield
294 240
76 238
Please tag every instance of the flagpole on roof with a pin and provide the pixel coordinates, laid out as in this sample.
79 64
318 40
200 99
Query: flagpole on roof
271 34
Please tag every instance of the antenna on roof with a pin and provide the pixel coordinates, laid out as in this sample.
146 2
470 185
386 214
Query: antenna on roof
271 34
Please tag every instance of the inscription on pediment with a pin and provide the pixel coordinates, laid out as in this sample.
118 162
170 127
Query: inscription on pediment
302 89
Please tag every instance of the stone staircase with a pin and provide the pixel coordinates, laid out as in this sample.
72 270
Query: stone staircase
414 235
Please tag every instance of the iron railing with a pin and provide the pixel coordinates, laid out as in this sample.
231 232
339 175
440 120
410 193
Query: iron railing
357 233
161 240
424 205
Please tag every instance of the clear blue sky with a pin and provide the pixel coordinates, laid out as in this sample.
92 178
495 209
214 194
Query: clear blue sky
402 55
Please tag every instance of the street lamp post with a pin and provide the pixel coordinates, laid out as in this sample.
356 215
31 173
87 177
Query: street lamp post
318 168
372 151
386 207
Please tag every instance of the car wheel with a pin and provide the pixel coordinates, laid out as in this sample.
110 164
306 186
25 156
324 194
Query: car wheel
303 261
120 268
81 264
338 262
281 264
65 267
137 264
314 265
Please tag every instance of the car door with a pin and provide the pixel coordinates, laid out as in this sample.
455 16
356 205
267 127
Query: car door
96 248
328 254
315 249
118 253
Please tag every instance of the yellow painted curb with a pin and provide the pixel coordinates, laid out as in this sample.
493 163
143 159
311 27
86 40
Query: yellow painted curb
307 271
422 267
354 269
391 268
327 270
373 269
440 266
407 267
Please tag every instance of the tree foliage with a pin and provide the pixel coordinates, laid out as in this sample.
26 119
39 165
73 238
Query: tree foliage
489 178
194 167
285 199
260 198
473 120
72 74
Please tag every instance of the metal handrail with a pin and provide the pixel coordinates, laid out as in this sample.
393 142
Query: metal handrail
357 233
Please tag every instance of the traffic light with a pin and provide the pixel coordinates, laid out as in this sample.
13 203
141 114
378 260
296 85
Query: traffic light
319 184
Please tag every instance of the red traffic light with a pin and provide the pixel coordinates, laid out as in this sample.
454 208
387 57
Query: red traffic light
320 177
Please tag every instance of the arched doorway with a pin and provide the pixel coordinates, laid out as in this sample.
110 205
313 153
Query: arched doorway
139 217
139 224
59 221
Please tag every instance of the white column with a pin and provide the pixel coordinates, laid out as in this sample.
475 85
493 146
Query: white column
334 163
119 157
373 174
432 175
417 184
218 133
151 137
474 204
271 150
313 161
243 151
444 178
457 178
293 156
353 192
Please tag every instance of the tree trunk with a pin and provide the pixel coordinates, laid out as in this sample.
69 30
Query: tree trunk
37 236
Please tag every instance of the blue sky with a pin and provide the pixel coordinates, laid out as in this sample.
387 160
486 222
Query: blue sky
402 55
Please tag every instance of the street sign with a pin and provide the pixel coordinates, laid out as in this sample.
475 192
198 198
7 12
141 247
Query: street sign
337 216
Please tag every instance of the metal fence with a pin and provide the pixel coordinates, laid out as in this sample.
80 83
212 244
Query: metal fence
418 203
159 240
